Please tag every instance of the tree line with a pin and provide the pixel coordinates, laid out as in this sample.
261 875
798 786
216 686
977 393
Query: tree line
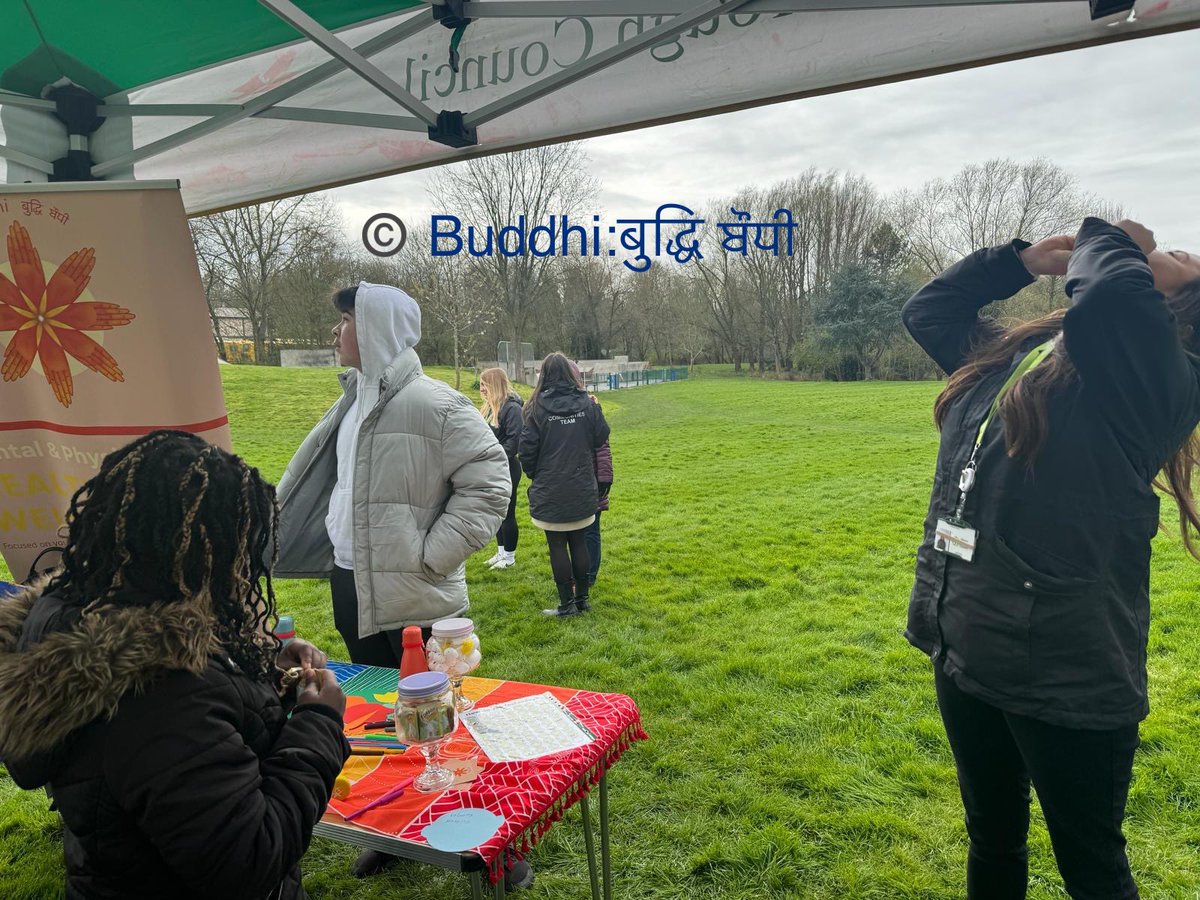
829 309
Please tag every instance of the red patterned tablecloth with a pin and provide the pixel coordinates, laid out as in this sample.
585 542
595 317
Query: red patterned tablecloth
530 795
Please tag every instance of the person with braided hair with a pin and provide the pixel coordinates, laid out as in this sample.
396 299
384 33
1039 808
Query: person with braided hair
144 690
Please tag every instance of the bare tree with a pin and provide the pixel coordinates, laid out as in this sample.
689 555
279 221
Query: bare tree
445 288
988 204
302 310
247 249
214 292
495 192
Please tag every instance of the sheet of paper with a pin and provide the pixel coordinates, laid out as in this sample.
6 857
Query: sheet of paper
526 728
462 829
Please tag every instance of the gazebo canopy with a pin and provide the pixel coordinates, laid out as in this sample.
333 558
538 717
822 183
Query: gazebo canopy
243 101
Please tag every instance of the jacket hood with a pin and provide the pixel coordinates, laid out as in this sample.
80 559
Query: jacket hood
387 322
61 670
561 399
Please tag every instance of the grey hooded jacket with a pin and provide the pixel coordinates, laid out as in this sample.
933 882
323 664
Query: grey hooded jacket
431 485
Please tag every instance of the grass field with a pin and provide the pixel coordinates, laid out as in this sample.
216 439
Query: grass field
757 564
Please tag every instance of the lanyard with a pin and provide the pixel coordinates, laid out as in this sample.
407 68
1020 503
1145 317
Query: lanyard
967 480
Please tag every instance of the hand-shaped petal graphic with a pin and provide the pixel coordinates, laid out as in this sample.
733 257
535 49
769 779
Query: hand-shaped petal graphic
91 354
11 319
26 263
20 353
10 294
56 368
72 277
95 316
46 321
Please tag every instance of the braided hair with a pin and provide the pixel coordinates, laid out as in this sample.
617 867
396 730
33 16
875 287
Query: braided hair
171 518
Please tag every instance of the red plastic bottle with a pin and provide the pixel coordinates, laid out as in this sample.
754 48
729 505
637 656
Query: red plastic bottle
413 659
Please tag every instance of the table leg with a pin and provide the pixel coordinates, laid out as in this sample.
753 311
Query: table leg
476 886
590 843
500 889
605 859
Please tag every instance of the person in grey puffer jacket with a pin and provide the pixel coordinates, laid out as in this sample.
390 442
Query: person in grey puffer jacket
394 488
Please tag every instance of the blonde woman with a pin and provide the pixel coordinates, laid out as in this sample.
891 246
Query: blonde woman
502 410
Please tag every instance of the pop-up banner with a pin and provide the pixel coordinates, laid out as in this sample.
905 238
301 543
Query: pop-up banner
105 337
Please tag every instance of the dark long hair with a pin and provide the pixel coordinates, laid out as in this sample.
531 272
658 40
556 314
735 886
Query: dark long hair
557 371
171 518
1023 410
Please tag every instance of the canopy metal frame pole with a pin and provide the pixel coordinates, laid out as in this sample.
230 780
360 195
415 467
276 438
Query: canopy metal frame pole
24 159
522 9
364 68
601 61
272 97
116 110
9 98
344 117
292 113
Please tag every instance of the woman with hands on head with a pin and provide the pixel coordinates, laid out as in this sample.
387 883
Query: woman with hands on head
1031 595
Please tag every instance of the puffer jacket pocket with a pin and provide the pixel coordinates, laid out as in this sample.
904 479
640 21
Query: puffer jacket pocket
395 539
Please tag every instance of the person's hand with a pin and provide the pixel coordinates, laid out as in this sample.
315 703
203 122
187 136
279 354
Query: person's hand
321 686
1050 256
1141 235
605 487
303 654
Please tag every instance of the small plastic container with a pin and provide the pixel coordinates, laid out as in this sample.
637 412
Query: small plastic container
413 659
285 630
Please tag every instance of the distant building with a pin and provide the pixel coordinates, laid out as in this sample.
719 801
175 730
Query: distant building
233 324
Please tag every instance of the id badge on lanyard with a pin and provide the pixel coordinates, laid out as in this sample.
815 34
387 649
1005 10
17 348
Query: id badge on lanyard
954 535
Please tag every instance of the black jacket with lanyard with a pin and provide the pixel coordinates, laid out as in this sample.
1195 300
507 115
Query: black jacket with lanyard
1050 618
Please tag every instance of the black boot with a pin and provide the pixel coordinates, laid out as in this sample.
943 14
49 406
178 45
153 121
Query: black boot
581 600
566 601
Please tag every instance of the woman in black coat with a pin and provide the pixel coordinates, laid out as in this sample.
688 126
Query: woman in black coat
1031 592
563 431
143 688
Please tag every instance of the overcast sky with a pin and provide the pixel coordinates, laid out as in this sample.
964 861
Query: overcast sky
1124 119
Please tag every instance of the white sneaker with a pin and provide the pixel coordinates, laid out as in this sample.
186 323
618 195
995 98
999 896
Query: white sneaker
507 561
496 557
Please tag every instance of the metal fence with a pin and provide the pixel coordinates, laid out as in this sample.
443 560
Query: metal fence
634 378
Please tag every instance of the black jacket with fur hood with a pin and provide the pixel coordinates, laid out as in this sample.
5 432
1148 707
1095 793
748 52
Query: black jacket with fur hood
175 774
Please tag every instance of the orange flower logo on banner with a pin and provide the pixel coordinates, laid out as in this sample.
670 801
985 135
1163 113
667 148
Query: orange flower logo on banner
48 322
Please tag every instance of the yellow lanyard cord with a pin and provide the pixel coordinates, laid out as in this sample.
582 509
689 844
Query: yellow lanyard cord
1032 359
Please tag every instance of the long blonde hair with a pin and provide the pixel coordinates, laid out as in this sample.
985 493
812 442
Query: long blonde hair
498 390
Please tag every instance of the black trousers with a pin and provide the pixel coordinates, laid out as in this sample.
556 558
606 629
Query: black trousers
569 559
591 537
384 648
1082 780
506 537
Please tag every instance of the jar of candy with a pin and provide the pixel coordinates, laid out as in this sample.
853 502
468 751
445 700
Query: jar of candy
425 717
454 648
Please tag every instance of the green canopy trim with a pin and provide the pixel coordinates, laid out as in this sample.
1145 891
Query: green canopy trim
119 45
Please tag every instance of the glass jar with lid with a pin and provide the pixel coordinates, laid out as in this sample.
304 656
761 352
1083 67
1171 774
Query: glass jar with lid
425 717
454 648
